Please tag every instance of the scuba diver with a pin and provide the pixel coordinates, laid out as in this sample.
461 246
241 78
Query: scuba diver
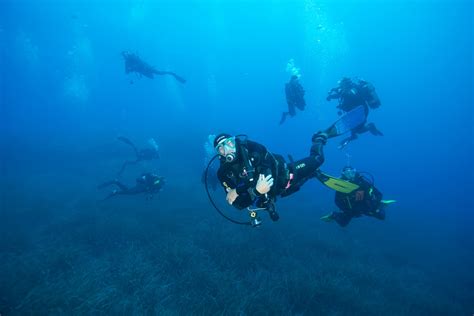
364 199
145 154
351 95
133 63
210 152
253 177
294 98
148 183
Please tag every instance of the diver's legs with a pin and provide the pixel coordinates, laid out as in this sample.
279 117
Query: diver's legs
162 73
106 184
379 213
133 190
373 130
316 150
180 79
347 140
283 117
306 168
273 214
129 142
125 164
342 218
122 186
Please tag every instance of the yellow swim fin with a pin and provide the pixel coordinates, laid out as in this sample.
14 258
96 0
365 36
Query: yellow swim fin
337 184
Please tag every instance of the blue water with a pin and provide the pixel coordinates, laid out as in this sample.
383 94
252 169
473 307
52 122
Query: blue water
65 98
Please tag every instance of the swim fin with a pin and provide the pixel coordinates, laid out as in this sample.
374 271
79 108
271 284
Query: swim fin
125 140
128 142
327 218
347 122
336 184
388 202
179 78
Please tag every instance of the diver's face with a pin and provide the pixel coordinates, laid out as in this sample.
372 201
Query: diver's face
349 173
227 147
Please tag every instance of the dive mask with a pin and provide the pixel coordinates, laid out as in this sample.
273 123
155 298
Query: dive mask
349 173
227 148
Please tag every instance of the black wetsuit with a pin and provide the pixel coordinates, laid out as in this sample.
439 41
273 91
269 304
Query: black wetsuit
254 159
352 95
133 63
148 183
294 98
364 201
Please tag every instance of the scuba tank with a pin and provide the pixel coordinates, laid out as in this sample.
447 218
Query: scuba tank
372 98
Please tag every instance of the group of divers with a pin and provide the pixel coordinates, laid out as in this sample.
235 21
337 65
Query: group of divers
253 177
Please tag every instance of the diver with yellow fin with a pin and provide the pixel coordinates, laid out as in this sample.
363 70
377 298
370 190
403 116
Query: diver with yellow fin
359 198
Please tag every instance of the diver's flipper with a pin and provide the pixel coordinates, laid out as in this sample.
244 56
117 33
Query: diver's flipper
180 79
128 142
336 184
347 122
106 184
327 218
388 202
344 143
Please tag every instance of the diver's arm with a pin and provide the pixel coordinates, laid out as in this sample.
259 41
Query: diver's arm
333 94
232 195
300 89
225 182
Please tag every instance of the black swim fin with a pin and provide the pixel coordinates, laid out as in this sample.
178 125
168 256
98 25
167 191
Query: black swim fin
180 79
128 142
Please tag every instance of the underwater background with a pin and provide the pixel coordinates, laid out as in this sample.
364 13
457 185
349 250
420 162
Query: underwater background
65 99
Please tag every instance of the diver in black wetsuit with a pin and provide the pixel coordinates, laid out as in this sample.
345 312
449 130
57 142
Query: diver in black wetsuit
133 63
294 98
351 95
144 154
253 177
148 183
366 200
